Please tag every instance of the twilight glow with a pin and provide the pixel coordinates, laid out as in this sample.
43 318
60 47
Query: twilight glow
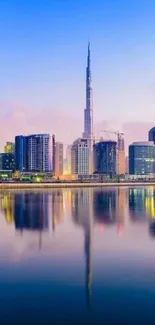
43 60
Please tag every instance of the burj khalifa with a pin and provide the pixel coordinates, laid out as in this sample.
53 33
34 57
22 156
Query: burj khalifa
88 112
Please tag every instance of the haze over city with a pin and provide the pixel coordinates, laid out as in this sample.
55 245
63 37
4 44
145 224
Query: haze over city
43 61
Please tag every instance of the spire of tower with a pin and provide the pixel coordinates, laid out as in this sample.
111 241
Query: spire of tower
88 58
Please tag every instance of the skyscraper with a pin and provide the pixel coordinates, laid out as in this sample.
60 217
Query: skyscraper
105 157
35 152
142 158
40 152
88 112
80 157
121 155
21 152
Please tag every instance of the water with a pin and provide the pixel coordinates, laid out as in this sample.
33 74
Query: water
81 256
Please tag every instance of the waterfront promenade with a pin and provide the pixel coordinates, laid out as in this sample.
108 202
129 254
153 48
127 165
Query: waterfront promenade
18 186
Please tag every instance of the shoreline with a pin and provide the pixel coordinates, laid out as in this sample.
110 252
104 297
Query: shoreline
15 186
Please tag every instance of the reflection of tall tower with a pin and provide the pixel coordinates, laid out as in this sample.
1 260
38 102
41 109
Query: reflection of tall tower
88 258
82 214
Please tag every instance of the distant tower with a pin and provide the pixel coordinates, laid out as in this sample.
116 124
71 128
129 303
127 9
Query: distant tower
58 159
120 154
88 112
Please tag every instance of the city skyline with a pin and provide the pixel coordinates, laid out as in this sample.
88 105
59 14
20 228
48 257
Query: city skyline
35 63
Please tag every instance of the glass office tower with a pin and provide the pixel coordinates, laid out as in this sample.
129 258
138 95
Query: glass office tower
142 158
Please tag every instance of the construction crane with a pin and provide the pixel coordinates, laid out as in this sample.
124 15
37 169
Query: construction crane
117 133
120 146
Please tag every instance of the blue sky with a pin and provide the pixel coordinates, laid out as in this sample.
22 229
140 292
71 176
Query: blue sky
43 57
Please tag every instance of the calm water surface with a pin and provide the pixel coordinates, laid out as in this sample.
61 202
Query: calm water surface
81 256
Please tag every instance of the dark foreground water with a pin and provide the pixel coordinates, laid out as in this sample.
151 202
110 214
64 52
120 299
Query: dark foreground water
82 256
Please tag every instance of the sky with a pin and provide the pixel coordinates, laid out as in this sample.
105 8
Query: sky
43 60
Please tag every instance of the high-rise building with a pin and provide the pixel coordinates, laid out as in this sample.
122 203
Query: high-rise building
9 147
142 158
121 155
80 157
88 112
53 153
40 152
58 158
35 152
21 152
105 157
152 135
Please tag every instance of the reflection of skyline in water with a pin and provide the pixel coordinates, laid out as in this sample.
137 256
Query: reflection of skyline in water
32 211
59 253
38 211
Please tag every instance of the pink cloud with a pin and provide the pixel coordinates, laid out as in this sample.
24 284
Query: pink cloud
17 119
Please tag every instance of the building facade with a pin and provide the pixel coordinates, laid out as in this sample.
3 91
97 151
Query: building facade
58 159
21 152
152 135
80 157
142 158
121 155
7 161
105 157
